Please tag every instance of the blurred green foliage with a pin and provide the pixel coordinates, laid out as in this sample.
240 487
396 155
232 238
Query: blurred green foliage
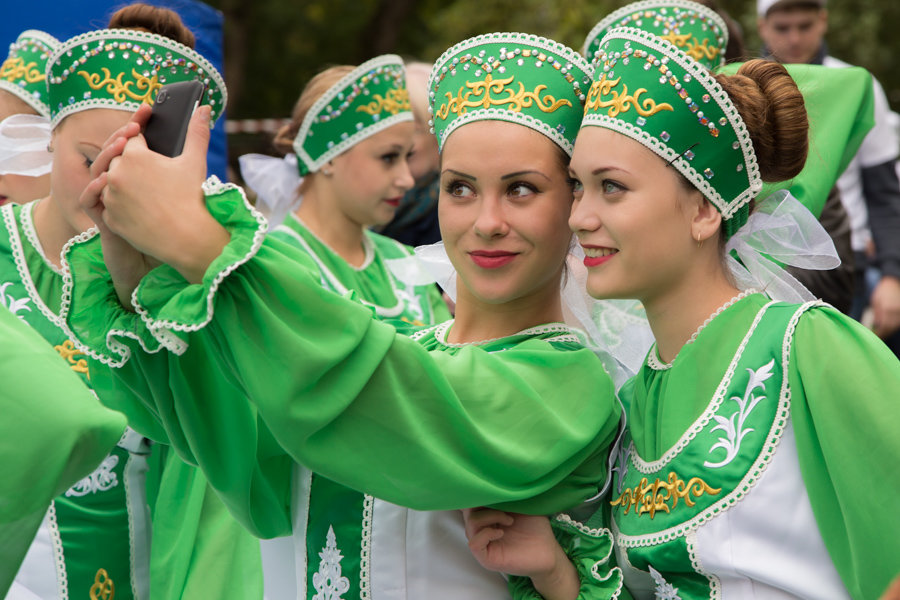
274 46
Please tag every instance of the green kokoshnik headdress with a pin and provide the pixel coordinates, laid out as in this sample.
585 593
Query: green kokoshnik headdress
647 89
23 72
122 69
367 100
516 77
695 29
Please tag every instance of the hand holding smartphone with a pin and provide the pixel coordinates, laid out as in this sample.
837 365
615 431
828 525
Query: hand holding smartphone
167 127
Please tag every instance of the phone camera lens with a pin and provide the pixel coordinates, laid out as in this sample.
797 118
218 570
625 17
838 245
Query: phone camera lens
161 97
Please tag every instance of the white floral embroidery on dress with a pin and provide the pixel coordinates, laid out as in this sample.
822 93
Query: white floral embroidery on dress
329 583
103 478
13 304
664 590
736 432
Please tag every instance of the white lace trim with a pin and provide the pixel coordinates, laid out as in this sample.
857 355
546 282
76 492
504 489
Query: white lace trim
499 114
757 468
715 90
654 5
31 233
653 360
597 533
441 330
335 283
365 559
18 253
715 584
122 352
162 328
59 557
704 418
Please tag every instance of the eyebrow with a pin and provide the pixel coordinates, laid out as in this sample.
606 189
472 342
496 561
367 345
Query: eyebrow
461 174
520 173
602 170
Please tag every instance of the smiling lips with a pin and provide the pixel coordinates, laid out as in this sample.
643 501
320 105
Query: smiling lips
393 201
594 256
492 259
3 200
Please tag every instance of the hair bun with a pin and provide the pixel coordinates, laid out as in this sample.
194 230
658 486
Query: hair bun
772 107
153 19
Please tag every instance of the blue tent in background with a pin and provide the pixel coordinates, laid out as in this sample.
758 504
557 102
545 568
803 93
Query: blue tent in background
68 19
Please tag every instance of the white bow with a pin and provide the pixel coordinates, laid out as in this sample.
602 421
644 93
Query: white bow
275 181
779 231
23 146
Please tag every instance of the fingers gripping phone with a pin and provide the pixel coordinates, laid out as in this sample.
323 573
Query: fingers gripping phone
167 127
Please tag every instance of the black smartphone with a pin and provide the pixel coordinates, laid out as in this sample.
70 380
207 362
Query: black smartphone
168 124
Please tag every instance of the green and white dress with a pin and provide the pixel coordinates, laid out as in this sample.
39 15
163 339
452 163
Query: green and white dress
53 433
762 463
269 371
96 536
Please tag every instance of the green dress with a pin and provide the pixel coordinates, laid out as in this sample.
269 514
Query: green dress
96 535
762 462
293 374
53 433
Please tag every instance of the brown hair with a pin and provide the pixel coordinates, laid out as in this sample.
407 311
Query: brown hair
735 50
315 89
772 107
153 19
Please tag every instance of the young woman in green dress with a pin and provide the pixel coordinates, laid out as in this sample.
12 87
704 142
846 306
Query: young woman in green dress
254 369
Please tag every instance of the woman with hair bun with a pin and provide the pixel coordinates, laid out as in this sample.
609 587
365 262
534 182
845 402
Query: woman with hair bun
95 540
760 457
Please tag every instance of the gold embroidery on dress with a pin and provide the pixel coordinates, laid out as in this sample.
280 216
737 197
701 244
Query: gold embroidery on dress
15 68
70 353
103 588
620 103
119 89
393 102
649 497
480 96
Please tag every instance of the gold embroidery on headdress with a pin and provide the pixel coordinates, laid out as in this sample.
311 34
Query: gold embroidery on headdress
678 39
15 68
620 103
480 96
393 102
649 497
701 51
120 90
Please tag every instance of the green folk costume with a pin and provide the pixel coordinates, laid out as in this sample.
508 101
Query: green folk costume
417 422
53 433
96 536
752 460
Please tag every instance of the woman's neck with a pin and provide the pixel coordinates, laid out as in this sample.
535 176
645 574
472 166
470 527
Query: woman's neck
677 314
51 228
334 228
476 320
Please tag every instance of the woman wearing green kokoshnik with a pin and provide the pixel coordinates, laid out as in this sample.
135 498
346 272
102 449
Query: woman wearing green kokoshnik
501 406
96 537
763 419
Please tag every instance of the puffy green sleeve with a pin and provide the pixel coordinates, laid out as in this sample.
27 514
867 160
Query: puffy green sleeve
845 407
263 346
53 432
591 551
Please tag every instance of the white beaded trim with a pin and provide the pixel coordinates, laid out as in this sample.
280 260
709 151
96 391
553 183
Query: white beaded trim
703 419
314 164
653 360
757 469
131 35
162 329
365 559
442 329
715 585
62 577
698 72
498 114
644 5
31 233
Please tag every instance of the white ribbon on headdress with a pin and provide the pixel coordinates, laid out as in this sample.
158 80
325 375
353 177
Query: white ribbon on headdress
275 181
780 230
23 146
617 330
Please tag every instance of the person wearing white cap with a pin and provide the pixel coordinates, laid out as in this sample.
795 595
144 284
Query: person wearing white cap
793 32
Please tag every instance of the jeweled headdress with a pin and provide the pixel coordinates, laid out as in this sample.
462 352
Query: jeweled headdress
515 77
696 30
122 69
365 101
23 73
647 89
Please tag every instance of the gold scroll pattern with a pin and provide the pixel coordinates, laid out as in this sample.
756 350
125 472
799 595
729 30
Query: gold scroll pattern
392 102
621 102
15 68
121 90
647 498
480 95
